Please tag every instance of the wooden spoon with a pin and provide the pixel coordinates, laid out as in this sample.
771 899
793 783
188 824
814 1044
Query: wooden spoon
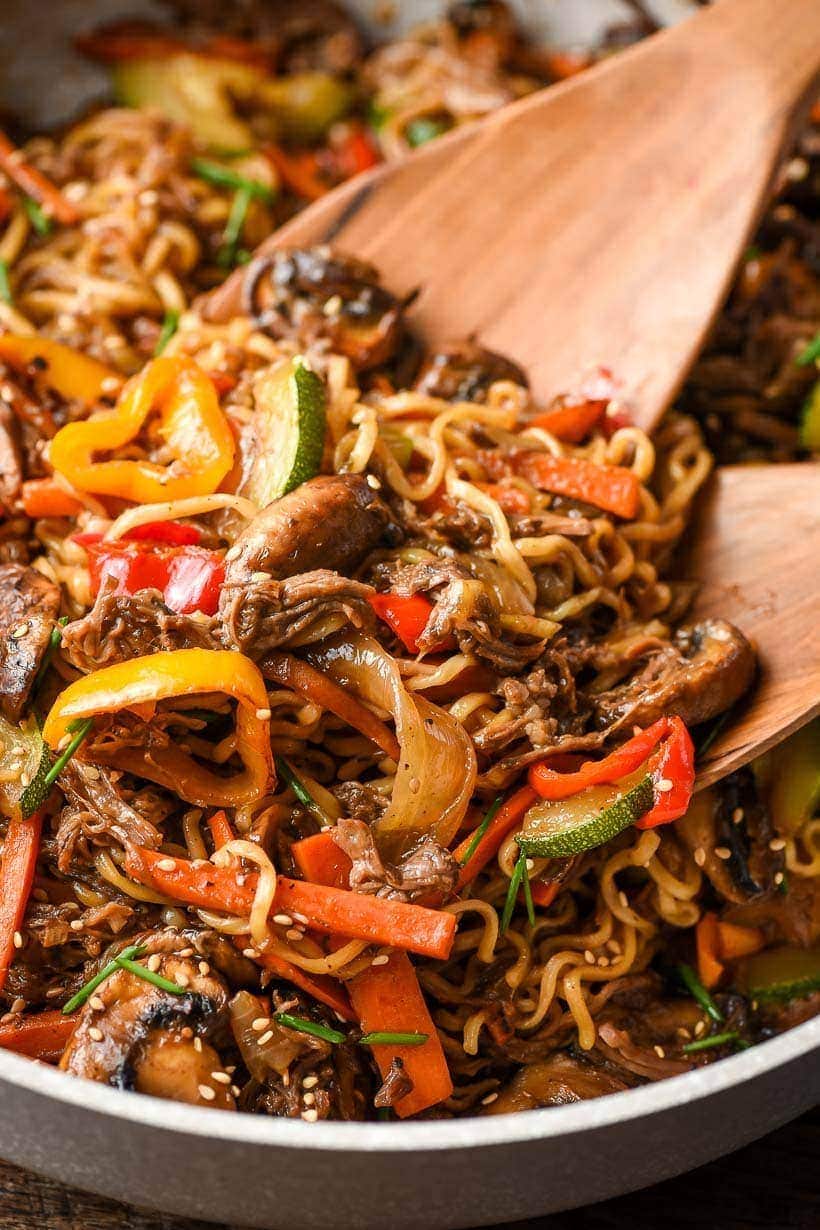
599 222
596 222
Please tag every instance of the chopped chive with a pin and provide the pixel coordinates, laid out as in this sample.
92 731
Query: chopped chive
481 830
86 991
698 992
224 177
303 1026
381 1038
51 649
525 876
423 129
811 353
714 730
83 729
226 256
301 791
206 715
148 975
37 218
706 1044
783 885
5 284
752 253
170 324
512 891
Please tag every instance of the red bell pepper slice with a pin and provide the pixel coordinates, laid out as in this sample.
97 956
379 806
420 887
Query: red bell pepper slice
188 576
175 532
571 419
356 153
624 760
19 863
407 617
673 776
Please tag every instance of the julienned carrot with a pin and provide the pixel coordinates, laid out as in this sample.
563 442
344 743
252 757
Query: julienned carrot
503 822
303 678
509 499
35 184
734 941
321 861
43 1036
386 998
571 421
710 967
429 933
44 497
544 894
613 488
20 850
221 829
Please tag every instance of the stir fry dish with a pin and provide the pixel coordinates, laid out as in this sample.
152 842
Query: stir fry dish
350 702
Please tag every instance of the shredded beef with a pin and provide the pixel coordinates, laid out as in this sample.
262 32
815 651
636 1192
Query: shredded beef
97 814
396 1085
260 615
123 626
360 801
426 871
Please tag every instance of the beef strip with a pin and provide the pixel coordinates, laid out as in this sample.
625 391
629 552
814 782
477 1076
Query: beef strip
97 814
557 1081
396 1085
123 626
426 871
464 371
29 605
360 801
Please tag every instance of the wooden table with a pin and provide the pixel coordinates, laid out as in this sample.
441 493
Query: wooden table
774 1185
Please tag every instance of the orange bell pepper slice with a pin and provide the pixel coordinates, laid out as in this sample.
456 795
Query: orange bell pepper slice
161 676
73 375
192 427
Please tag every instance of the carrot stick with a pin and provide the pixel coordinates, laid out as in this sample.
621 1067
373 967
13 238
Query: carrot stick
386 998
509 499
221 829
544 894
613 488
321 861
303 678
331 910
327 990
571 421
20 850
35 184
43 497
298 172
502 823
734 941
710 968
43 1036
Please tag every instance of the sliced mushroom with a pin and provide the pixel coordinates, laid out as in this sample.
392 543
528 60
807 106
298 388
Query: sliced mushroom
464 371
29 604
311 294
733 830
556 1081
701 673
135 1035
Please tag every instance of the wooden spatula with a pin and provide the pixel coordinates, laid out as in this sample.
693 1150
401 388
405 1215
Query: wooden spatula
596 222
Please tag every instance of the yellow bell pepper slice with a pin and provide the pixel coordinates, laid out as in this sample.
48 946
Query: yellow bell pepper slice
68 372
143 682
191 428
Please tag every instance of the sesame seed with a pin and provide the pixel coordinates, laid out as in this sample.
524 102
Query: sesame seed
604 961
166 864
182 980
381 959
683 1032
19 632
777 843
283 920
373 482
623 899
96 1004
778 879
95 1034
664 785
490 1098
221 1078
18 940
207 1093
260 1024
613 946
723 852
235 1090
589 957
204 968
310 1082
240 880
300 918
310 1116
53 992
154 962
754 1005
198 1045
250 953
737 815
529 864
76 924
185 952
333 305
266 1037
309 1099
263 714
92 772
700 1028
260 576
660 1052
233 553
700 856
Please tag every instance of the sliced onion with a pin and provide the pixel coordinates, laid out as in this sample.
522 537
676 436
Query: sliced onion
437 768
277 1052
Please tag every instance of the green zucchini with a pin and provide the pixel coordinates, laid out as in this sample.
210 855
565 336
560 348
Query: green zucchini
23 753
565 827
794 791
782 973
290 422
810 421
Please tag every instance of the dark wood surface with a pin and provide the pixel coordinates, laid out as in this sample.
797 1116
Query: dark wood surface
773 1184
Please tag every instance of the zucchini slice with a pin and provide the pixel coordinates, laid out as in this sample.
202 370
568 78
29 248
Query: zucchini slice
810 421
782 973
569 826
290 419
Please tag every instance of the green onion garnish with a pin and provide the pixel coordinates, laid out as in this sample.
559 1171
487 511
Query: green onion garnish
224 177
5 284
84 993
420 131
37 218
170 324
82 727
303 1026
783 884
698 992
512 892
380 1038
301 791
706 1044
713 732
51 649
527 891
148 975
226 256
481 830
811 353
